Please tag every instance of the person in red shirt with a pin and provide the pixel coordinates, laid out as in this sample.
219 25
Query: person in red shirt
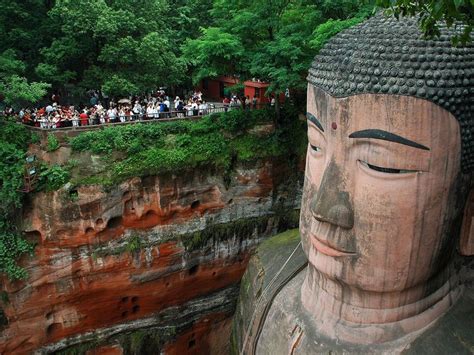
84 117
226 103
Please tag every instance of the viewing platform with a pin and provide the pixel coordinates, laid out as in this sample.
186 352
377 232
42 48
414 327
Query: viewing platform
94 123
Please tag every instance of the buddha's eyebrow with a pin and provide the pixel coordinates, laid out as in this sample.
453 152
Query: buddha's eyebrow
313 119
386 136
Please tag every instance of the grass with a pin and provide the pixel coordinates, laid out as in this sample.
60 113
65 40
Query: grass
218 140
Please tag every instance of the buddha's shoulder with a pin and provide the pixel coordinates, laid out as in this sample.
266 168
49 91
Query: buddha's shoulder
270 318
276 261
289 329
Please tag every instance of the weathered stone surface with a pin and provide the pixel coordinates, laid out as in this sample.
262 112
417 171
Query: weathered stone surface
388 173
387 56
108 260
276 260
288 328
166 331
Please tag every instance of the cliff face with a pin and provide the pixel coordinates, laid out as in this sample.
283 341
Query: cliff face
150 265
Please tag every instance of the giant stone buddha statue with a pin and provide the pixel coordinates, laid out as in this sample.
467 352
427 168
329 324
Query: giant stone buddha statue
387 206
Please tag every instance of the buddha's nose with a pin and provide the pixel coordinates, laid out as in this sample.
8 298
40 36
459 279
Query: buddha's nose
332 204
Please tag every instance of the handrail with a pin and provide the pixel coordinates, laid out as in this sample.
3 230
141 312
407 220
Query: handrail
98 122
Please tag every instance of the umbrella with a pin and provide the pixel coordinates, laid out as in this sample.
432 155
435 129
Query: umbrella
124 101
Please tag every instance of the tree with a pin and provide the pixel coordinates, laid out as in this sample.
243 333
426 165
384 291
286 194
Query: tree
273 40
15 88
431 13
14 140
216 52
24 27
120 46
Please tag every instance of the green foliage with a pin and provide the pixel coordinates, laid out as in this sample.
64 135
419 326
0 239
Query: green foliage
325 31
239 229
21 36
52 143
215 140
431 13
12 247
215 52
4 297
270 40
14 140
134 244
251 147
80 349
53 177
136 341
13 85
122 47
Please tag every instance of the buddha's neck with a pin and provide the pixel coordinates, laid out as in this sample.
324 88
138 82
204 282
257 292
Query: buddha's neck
362 317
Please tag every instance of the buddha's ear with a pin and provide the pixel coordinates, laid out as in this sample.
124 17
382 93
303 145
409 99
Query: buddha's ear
466 246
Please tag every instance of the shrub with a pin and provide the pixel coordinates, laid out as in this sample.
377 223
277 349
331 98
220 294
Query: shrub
52 143
53 178
214 140
12 247
14 140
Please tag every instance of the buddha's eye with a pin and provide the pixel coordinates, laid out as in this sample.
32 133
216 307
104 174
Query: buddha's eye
386 170
315 148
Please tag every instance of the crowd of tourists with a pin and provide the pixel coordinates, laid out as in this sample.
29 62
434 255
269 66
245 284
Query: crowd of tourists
100 110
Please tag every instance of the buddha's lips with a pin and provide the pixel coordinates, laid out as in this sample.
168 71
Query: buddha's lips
327 250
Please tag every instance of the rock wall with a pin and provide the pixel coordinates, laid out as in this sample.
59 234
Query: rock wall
150 266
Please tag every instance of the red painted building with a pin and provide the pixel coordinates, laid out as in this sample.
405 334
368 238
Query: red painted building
213 89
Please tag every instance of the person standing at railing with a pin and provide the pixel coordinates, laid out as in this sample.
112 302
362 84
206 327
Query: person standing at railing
195 108
122 115
75 120
254 102
112 114
203 108
160 106
149 111
180 109
92 116
128 114
226 103
247 102
167 103
84 117
137 110
42 121
56 120
235 103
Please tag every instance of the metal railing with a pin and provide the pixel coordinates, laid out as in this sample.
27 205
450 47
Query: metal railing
96 121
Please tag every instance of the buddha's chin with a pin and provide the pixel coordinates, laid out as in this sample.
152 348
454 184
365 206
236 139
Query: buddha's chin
355 315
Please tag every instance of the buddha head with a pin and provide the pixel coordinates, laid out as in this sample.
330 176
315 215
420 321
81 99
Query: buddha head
388 174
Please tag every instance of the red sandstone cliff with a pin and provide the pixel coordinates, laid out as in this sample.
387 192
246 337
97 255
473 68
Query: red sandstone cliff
151 265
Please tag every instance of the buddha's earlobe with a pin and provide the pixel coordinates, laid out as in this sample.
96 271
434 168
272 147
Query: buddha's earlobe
466 242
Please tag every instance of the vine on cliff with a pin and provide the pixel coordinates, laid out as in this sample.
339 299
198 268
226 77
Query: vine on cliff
217 140
14 140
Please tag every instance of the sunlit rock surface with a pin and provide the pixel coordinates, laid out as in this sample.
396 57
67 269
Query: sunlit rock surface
151 265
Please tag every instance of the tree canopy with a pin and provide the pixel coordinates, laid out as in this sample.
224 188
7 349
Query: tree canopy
455 13
271 40
127 47
122 47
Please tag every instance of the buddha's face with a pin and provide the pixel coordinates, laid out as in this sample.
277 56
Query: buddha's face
379 198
